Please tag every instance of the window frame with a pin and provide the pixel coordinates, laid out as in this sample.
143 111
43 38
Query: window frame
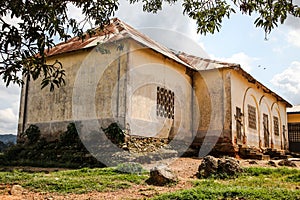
252 122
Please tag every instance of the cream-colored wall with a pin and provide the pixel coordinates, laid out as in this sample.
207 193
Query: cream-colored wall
213 95
245 93
149 70
90 92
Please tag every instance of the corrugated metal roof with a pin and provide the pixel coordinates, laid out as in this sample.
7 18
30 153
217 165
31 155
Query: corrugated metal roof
201 64
109 33
198 63
294 110
118 30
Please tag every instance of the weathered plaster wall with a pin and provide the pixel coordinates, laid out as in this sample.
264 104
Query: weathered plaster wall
147 71
246 93
213 94
92 79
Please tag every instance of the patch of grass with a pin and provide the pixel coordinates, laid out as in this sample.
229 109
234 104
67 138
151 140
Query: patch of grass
253 183
293 178
73 181
234 192
256 171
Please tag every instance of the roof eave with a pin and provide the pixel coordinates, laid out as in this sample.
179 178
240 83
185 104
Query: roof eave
251 79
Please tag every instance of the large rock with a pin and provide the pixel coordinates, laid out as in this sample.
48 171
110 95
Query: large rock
287 163
272 163
162 175
16 190
229 166
223 166
208 166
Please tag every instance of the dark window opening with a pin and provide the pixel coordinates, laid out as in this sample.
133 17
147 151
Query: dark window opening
276 125
239 123
252 117
266 130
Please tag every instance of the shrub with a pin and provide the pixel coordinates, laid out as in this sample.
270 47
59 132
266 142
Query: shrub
70 137
33 134
14 152
114 133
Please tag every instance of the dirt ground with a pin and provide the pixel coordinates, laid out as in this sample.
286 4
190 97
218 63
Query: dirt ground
185 168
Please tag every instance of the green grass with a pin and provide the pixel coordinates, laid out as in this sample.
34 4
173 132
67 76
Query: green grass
254 183
73 181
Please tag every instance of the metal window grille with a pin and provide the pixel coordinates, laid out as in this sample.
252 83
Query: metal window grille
294 132
165 103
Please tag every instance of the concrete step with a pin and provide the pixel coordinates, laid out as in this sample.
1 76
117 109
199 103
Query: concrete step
274 152
282 157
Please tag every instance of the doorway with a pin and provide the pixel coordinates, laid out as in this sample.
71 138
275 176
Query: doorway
238 124
266 130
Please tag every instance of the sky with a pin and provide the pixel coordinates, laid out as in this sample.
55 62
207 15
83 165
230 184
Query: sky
274 62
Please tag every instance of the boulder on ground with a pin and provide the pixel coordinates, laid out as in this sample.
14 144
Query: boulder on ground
272 163
223 166
252 162
16 190
162 175
229 166
208 166
287 163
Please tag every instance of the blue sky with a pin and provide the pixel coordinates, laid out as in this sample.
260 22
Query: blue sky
275 62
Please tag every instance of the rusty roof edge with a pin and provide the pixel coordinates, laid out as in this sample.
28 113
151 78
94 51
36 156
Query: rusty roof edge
133 34
146 40
90 46
238 67
251 78
225 64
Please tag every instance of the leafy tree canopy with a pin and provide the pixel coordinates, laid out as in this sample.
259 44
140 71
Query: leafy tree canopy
23 46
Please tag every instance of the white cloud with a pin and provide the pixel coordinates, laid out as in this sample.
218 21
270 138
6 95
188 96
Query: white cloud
74 12
168 27
9 108
7 115
293 37
8 95
8 121
241 58
288 82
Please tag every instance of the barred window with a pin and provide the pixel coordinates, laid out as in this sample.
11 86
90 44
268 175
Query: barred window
294 137
276 126
294 132
165 103
252 117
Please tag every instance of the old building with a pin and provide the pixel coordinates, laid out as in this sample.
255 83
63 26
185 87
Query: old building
120 75
293 116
